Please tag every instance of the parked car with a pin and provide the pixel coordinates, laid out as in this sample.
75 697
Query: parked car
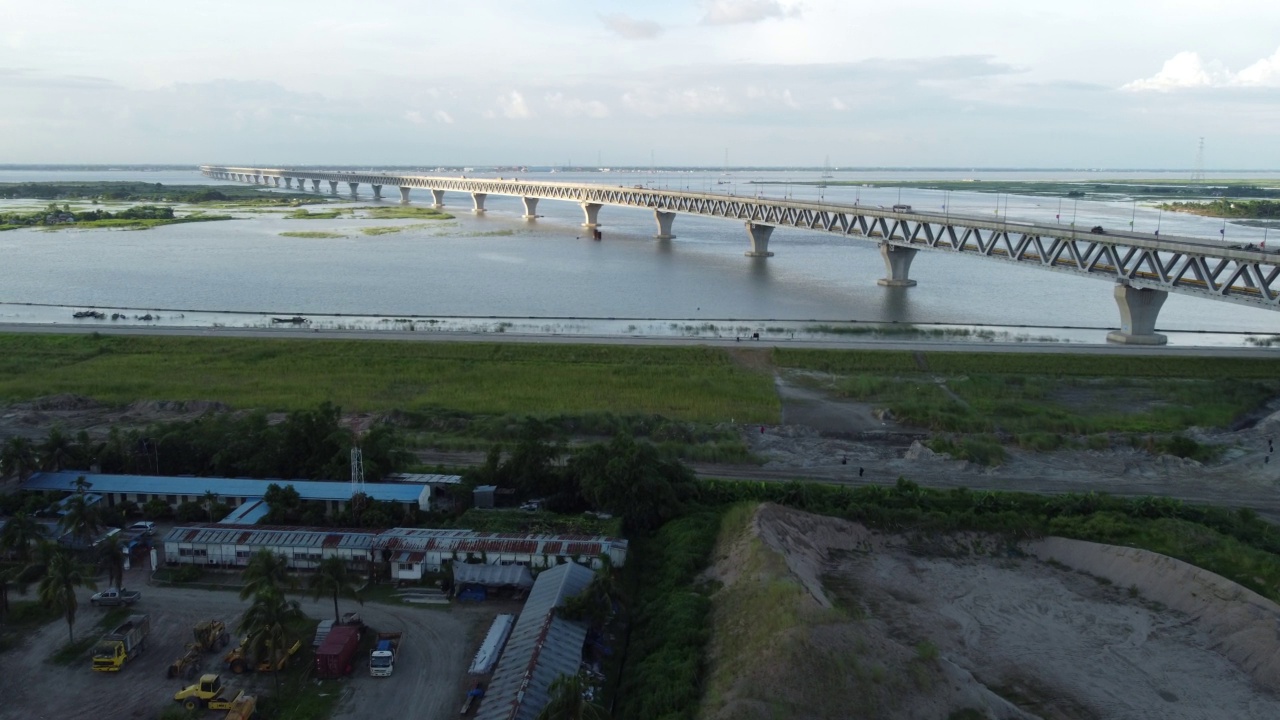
146 527
1097 230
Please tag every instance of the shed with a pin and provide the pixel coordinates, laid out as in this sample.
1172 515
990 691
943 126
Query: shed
483 495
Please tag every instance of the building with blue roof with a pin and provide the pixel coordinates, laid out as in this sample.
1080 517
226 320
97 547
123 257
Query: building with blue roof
233 492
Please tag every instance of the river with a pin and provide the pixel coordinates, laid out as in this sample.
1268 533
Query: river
549 276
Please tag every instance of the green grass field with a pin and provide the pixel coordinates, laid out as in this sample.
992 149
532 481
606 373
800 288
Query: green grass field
312 234
696 384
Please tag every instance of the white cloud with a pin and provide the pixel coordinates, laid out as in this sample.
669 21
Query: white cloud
442 117
1188 70
838 104
631 28
414 117
573 107
514 106
1264 73
735 12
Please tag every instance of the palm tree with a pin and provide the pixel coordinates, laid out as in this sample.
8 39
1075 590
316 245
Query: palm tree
58 587
81 518
18 458
266 572
265 626
210 500
333 578
18 534
112 555
55 451
568 701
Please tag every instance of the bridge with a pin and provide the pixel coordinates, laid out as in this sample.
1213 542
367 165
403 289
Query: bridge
1144 268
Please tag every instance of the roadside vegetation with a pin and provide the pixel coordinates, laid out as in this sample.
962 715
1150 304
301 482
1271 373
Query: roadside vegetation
680 383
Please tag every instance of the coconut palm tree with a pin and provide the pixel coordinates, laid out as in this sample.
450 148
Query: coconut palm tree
55 451
18 458
568 701
19 533
58 587
333 578
81 518
111 554
266 572
266 628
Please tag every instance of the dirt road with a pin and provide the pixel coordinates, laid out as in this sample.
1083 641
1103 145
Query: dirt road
427 678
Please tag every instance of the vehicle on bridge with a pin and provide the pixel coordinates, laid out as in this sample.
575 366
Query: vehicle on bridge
901 208
1097 230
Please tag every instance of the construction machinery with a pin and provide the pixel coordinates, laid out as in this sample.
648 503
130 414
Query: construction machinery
210 635
239 663
123 644
211 694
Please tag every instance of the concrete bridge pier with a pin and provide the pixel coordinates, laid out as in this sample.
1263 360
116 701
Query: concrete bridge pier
477 202
333 187
315 185
530 208
437 198
275 181
377 191
592 213
288 182
664 219
1138 311
759 235
353 187
897 262
404 196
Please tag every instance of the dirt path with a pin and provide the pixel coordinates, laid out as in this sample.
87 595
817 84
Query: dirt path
427 677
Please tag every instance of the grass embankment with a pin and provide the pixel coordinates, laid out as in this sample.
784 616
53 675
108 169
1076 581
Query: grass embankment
304 214
1045 402
679 383
312 234
666 661
122 224
405 212
389 229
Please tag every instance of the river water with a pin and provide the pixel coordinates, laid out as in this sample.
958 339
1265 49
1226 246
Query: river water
547 276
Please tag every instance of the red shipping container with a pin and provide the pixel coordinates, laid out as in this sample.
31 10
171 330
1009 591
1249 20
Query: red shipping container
334 656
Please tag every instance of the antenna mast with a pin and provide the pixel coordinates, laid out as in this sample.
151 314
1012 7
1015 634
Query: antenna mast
1198 174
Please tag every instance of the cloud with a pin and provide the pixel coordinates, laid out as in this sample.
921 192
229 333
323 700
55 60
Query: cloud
1187 70
414 117
26 77
514 106
573 107
737 12
442 117
631 28
838 104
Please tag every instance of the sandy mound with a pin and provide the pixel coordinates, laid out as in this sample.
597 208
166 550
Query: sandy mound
823 618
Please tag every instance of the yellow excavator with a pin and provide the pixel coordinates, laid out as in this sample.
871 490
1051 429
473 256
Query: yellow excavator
210 635
239 663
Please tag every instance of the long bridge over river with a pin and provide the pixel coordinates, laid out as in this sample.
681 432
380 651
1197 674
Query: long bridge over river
1144 268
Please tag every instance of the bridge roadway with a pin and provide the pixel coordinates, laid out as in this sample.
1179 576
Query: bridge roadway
1144 267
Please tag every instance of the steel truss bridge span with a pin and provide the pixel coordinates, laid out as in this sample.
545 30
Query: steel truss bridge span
1144 267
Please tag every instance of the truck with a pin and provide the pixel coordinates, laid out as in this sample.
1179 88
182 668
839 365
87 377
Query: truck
115 596
211 694
123 644
240 664
382 658
333 657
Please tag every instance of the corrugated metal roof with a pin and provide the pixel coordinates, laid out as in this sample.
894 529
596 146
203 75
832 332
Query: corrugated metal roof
542 647
227 487
272 536
248 513
492 575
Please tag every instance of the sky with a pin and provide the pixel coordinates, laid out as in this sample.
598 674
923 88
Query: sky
901 83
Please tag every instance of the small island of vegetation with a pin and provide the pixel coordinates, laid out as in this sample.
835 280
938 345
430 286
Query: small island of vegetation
139 217
152 192
1223 208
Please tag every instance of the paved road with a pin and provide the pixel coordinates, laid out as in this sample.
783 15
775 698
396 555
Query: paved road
453 336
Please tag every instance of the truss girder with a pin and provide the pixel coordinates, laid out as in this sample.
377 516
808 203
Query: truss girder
1191 266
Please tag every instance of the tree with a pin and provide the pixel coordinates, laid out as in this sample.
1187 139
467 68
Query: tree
628 478
266 572
81 518
18 458
58 587
111 554
596 603
333 578
55 451
266 628
210 501
19 532
568 701
284 504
